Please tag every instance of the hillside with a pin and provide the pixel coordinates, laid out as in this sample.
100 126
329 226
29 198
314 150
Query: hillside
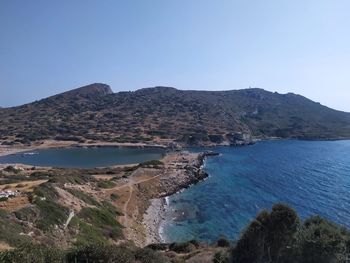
94 215
94 113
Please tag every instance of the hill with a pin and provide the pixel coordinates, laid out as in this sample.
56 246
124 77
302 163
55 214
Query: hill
87 215
164 114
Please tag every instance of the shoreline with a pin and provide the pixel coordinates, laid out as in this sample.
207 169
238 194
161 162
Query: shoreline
49 144
154 216
9 150
153 219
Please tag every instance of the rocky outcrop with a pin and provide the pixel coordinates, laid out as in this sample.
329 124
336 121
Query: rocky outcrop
185 175
239 138
96 89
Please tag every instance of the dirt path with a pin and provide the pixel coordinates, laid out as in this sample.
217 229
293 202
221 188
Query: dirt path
124 219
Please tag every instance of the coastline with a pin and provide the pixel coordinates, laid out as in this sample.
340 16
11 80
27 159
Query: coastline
49 144
154 216
153 219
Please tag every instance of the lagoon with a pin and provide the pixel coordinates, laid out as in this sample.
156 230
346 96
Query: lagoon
85 157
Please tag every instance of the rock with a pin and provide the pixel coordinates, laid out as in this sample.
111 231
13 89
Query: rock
239 138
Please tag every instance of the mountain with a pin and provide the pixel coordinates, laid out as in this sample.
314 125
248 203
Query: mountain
165 114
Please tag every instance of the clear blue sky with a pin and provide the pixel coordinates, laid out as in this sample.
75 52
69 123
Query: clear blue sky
300 46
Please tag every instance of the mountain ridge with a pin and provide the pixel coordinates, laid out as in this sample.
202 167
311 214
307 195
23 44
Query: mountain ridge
165 114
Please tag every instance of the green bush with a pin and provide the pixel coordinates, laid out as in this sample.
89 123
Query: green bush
321 241
106 184
72 179
223 242
278 236
51 214
39 175
220 257
47 191
146 255
152 163
101 253
267 235
89 234
32 253
99 222
158 246
185 247
114 197
11 169
83 196
10 230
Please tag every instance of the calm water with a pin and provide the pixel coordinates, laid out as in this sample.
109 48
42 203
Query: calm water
313 177
84 157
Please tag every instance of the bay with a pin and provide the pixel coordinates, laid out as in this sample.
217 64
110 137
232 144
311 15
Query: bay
311 176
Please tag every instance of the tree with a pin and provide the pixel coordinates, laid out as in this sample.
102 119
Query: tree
267 236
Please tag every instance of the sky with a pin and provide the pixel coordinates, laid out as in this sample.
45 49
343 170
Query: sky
299 46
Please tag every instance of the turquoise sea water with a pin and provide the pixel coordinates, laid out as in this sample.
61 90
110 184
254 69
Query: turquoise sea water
313 177
85 157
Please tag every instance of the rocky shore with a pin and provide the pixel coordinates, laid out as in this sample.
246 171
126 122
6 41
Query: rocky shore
152 220
188 170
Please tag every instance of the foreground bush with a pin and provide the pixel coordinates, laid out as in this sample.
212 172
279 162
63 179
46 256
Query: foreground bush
32 253
276 236
279 236
93 254
101 253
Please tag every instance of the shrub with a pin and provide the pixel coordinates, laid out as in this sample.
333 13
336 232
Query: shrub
219 257
158 246
11 169
279 237
101 221
3 199
216 138
147 255
185 247
114 197
39 175
267 235
101 253
89 234
223 242
51 214
46 190
10 230
130 168
83 196
32 253
322 241
72 179
106 184
152 163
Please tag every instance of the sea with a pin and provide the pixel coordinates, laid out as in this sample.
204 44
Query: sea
313 177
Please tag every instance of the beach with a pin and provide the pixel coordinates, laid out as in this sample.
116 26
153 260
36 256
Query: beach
152 220
46 144
142 195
